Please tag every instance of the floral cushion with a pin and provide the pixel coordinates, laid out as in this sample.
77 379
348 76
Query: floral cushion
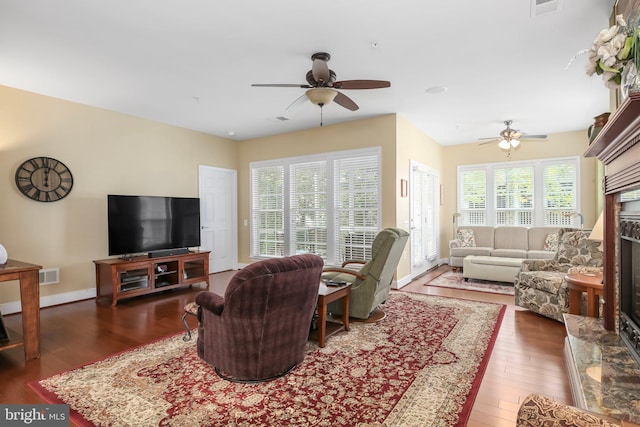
466 237
575 248
551 242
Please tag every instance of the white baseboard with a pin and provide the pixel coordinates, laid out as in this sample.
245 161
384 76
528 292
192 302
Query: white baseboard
401 282
51 300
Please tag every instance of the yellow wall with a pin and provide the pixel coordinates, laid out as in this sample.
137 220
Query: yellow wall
107 153
556 145
376 132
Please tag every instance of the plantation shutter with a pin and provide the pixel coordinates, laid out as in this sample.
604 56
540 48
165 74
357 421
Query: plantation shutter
267 206
514 191
473 197
356 206
308 202
560 194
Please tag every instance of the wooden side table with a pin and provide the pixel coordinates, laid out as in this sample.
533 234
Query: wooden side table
27 275
585 282
327 294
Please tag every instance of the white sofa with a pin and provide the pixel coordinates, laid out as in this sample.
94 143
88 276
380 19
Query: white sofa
503 242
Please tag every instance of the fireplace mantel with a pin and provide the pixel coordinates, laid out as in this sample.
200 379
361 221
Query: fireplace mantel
617 147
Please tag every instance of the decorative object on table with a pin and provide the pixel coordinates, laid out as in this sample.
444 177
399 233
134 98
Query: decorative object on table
44 179
613 56
3 255
421 366
596 127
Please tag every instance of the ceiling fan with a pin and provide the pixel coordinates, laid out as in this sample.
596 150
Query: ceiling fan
322 85
509 138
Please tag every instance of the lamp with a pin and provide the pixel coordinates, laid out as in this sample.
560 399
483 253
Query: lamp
504 144
321 95
598 229
507 143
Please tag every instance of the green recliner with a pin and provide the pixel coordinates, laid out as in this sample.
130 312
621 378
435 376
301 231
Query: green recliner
372 282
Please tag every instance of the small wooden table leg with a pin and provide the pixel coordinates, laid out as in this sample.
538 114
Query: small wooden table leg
345 311
322 320
30 299
574 301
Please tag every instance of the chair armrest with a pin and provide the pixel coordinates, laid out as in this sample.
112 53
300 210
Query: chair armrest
454 243
539 265
210 301
343 270
537 410
353 261
582 269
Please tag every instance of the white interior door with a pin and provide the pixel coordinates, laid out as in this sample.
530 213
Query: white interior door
424 201
218 217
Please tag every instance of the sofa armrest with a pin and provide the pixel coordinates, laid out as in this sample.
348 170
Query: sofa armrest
455 243
539 265
210 301
537 410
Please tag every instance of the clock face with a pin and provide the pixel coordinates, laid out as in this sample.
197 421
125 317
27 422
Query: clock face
44 179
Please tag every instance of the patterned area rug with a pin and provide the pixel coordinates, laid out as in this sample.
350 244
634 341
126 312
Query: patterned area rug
455 280
420 366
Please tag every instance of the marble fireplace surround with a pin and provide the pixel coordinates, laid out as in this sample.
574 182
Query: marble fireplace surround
604 375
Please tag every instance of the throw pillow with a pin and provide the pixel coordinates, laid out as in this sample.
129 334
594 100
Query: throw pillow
551 242
466 237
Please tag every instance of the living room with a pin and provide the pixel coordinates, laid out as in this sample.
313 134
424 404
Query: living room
115 153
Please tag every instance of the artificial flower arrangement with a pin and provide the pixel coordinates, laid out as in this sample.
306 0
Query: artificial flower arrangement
612 50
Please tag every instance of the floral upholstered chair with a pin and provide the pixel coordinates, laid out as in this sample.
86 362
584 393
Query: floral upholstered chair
540 285
537 410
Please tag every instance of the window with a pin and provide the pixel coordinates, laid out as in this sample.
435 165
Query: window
538 192
331 208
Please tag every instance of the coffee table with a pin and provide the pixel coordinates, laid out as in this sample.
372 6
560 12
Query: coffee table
591 284
327 294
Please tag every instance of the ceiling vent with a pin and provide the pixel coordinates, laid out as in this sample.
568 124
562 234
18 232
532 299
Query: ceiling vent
545 7
282 118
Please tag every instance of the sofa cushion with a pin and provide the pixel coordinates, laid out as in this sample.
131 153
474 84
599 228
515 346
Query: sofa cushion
536 254
511 238
466 237
576 248
538 235
547 281
463 252
509 253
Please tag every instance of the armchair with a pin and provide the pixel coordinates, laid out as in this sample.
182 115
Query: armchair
540 286
371 282
259 330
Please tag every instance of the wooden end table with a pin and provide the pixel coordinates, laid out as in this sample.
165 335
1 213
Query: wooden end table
27 274
327 294
591 283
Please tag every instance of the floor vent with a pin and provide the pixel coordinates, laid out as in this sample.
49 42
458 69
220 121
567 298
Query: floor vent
545 7
49 276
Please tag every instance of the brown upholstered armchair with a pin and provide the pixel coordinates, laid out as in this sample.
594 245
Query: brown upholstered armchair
259 330
371 281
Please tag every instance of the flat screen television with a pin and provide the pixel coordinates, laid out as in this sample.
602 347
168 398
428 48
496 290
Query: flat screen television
140 224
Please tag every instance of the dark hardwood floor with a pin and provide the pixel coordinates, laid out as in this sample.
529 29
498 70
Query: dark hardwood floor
527 357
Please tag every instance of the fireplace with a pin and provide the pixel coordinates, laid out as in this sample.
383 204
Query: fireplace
629 281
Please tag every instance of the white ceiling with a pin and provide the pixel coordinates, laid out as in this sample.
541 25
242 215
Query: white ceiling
191 63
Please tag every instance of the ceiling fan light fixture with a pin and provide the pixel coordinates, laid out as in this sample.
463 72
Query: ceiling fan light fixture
321 95
504 144
514 142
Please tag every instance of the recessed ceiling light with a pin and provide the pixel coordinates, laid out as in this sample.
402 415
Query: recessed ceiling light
231 133
435 90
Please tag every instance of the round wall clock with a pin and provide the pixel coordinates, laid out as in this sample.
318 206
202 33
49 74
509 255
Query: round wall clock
44 179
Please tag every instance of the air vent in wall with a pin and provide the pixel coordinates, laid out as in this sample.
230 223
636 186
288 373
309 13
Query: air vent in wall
49 276
544 7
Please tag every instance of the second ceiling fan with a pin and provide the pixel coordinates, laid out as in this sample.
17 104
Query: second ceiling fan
322 85
509 138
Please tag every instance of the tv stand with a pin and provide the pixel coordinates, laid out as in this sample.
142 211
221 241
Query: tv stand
118 278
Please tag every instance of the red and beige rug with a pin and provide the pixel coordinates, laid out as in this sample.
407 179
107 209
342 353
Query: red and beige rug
450 279
420 366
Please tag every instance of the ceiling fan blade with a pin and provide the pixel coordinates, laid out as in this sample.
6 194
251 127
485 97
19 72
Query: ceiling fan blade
300 100
281 85
525 136
346 102
488 142
361 84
